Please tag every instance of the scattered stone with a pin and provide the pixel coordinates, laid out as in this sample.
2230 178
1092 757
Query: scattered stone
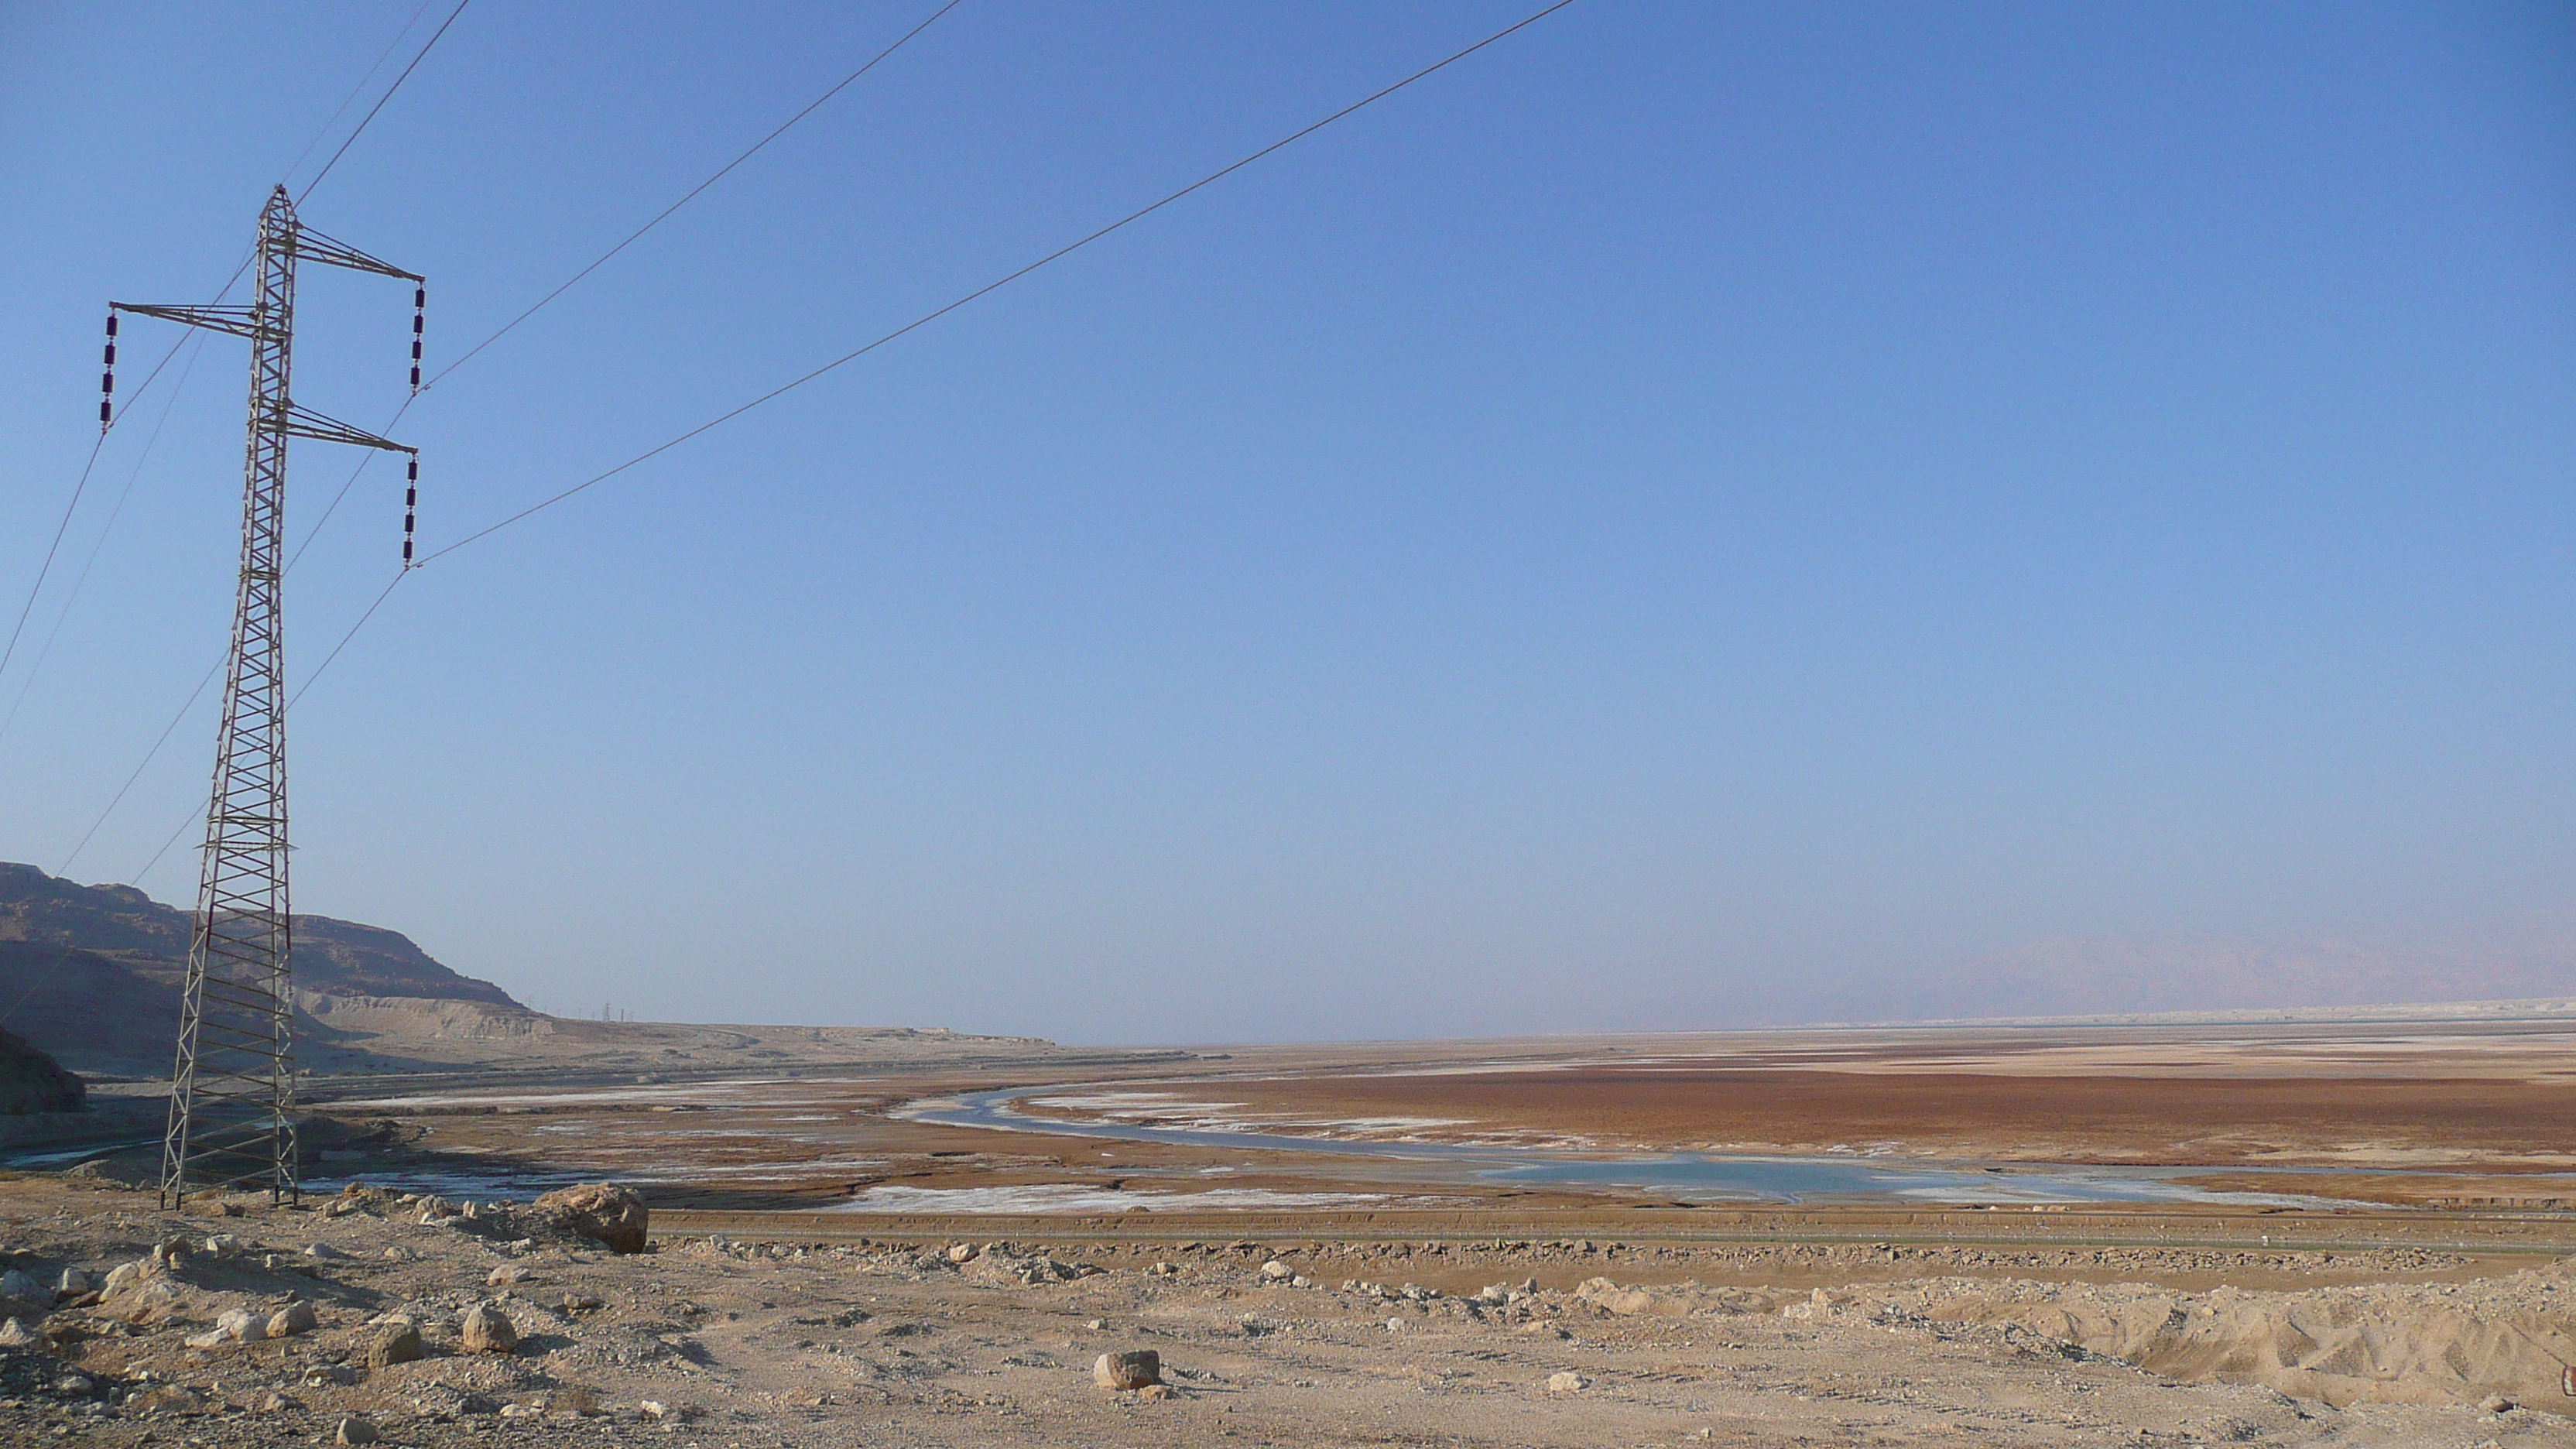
488 1330
395 1343
2496 1404
507 1274
323 1250
74 1384
354 1430
1395 1325
75 1282
14 1334
1277 1272
1133 1370
1156 1393
124 1276
275 1403
961 1252
1567 1382
294 1318
17 1283
614 1217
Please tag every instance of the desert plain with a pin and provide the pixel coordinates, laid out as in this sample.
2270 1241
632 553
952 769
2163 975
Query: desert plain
2347 1228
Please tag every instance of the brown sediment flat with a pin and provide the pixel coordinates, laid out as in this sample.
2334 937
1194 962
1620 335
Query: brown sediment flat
2106 1119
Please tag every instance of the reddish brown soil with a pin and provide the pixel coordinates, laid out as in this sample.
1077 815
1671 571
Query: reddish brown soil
2096 1119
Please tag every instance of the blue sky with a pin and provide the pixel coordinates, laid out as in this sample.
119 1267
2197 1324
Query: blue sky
1691 511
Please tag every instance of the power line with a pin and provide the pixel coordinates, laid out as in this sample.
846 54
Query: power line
692 195
354 91
990 287
925 319
370 116
115 512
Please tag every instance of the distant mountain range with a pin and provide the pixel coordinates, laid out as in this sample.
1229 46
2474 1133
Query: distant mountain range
93 974
2525 957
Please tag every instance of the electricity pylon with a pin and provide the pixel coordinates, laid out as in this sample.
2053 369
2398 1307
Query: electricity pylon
232 1093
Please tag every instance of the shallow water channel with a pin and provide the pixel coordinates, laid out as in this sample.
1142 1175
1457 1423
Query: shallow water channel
1685 1176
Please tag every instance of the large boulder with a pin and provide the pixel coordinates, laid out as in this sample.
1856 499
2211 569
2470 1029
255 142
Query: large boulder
612 1216
1133 1370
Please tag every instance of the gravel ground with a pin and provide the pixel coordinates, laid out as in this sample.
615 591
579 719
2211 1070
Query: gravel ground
734 1343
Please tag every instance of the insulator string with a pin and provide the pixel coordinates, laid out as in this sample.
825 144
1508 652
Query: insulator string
107 378
419 313
411 502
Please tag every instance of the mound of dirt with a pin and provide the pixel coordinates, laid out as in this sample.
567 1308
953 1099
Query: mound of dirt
2432 1343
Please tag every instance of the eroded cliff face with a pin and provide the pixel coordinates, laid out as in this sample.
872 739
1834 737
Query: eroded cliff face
96 972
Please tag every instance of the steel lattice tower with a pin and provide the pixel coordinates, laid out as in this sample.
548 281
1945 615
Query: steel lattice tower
232 1095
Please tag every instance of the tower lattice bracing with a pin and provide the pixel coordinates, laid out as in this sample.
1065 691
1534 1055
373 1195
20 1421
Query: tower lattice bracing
232 1101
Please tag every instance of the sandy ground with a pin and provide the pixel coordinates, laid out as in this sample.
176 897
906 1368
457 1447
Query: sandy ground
801 1340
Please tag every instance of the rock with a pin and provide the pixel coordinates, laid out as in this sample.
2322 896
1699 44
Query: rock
74 1384
274 1403
1567 1382
614 1217
14 1334
395 1343
1277 1272
488 1330
961 1252
2496 1404
221 1243
147 1301
212 1338
1156 1393
354 1430
1607 1295
75 1282
1128 1370
294 1318
241 1325
323 1251
507 1274
1395 1325
124 1276
18 1283
339 1207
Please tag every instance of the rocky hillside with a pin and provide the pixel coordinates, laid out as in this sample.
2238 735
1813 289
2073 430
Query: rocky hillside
31 1081
92 974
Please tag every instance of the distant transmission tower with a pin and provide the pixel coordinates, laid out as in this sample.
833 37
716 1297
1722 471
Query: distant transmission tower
232 1095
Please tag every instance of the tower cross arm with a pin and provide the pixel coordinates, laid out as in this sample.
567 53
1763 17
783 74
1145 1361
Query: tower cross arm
303 422
313 246
238 321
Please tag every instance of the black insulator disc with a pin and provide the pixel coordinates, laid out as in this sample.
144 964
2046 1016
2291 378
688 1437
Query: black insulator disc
111 354
420 296
415 377
107 382
102 410
111 324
